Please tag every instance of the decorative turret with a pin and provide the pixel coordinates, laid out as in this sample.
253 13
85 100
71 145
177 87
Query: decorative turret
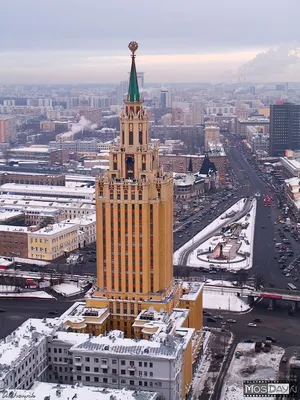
133 90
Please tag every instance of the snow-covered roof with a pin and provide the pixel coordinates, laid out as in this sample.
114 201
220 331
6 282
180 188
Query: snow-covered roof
5 215
11 228
115 343
30 150
12 199
67 392
44 189
54 229
84 220
15 346
194 289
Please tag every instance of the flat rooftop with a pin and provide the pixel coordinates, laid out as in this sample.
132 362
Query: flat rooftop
11 228
68 392
30 150
44 189
115 343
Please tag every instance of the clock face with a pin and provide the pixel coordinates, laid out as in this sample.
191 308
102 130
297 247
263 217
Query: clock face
129 160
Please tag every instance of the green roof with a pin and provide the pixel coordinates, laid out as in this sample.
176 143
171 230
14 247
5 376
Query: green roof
133 90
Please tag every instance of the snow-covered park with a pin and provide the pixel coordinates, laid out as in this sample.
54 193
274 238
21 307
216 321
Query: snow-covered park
223 301
241 259
250 366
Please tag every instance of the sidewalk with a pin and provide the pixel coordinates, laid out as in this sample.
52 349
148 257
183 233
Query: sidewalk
210 364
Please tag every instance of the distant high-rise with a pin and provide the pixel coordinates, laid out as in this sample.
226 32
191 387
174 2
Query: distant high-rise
198 112
7 129
141 79
165 98
284 128
122 90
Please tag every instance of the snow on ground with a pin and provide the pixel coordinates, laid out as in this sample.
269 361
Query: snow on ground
218 282
239 262
225 301
7 288
250 366
30 261
67 289
209 228
40 295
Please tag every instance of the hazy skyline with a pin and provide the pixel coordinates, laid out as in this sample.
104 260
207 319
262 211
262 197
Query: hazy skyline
70 41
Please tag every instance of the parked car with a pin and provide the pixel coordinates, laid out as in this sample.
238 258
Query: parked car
271 339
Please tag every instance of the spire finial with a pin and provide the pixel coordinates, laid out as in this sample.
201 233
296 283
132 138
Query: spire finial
133 46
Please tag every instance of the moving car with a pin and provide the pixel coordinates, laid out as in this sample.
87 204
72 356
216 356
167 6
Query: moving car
210 319
231 321
252 325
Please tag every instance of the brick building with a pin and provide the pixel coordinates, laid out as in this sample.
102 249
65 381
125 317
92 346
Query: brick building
30 179
14 241
180 163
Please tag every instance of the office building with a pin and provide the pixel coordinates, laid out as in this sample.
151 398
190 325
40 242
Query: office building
141 79
165 98
197 112
284 128
7 129
211 134
121 92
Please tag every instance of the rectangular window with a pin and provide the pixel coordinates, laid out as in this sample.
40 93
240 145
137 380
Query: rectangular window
130 138
140 137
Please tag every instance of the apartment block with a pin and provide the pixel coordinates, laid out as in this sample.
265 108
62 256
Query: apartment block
53 241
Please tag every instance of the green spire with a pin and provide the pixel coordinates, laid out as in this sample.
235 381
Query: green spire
133 90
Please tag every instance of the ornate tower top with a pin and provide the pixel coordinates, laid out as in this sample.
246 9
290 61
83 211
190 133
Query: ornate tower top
133 90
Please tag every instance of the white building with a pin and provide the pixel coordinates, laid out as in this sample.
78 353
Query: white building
87 229
75 146
116 362
24 357
220 109
67 206
48 191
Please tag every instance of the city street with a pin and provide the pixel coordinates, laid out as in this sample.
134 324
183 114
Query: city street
276 323
15 311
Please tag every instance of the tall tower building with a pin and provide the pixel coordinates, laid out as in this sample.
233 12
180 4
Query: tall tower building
198 112
284 128
134 210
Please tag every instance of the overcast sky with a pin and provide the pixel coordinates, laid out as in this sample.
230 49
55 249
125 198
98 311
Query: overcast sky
76 41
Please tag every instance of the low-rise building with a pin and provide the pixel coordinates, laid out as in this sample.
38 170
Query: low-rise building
78 193
70 208
53 241
32 179
180 163
14 241
290 164
87 229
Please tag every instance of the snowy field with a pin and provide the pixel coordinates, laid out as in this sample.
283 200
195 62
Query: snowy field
67 289
209 228
38 295
239 262
250 366
225 301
